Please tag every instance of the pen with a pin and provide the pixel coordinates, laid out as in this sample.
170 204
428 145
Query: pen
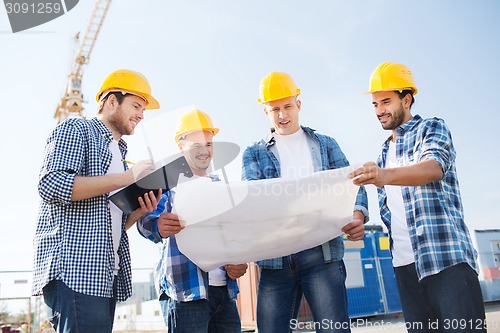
127 161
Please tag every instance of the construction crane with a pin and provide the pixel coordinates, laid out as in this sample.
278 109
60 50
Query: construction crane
71 104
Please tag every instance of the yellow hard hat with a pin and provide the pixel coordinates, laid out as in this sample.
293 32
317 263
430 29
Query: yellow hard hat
389 76
277 85
131 82
193 121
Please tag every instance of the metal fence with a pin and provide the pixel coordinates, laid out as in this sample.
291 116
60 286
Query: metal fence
17 308
22 313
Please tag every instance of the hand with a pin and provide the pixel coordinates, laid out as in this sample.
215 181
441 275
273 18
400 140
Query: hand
147 205
370 173
141 169
169 224
235 271
355 229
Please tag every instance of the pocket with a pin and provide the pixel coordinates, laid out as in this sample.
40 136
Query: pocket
50 293
51 299
342 270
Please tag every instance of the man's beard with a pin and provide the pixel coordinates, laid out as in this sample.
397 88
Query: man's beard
116 120
397 119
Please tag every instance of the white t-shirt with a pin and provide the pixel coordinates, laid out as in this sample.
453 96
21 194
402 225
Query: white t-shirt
402 251
294 155
217 277
116 166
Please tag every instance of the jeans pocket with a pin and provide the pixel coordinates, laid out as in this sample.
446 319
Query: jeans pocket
342 270
51 299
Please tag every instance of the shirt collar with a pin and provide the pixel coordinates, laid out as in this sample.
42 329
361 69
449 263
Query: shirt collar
270 141
106 132
410 124
406 127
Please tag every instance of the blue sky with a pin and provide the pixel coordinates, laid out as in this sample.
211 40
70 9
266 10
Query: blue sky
214 53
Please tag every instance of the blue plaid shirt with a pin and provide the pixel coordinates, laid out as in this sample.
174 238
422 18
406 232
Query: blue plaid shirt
434 212
260 162
73 240
176 276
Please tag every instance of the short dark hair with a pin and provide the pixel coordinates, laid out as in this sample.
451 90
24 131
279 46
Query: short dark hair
403 93
119 97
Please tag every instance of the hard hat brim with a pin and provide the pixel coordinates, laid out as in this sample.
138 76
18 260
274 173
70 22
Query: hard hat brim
414 90
261 101
214 131
152 103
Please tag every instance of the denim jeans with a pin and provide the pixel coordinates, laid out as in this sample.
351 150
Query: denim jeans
450 301
322 284
217 314
73 312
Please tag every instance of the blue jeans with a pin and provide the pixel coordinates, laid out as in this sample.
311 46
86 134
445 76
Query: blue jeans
323 285
450 301
73 312
217 314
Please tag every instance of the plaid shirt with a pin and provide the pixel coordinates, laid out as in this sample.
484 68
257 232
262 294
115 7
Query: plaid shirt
73 241
176 276
434 212
260 162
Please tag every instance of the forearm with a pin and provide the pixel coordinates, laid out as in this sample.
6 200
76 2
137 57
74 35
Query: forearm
414 175
357 214
89 187
131 219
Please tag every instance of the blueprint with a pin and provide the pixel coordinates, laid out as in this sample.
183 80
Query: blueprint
239 222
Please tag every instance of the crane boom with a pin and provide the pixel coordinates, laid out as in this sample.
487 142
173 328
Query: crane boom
72 101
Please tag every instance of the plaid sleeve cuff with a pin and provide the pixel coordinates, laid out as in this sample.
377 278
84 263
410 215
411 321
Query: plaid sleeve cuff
56 188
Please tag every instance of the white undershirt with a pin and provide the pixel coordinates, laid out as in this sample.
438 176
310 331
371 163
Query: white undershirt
217 277
402 251
116 166
294 155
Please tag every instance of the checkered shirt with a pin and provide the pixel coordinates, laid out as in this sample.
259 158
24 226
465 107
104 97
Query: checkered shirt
73 239
176 276
260 162
434 212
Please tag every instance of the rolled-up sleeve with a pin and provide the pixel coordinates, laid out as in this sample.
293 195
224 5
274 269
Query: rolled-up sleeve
362 203
437 144
63 160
